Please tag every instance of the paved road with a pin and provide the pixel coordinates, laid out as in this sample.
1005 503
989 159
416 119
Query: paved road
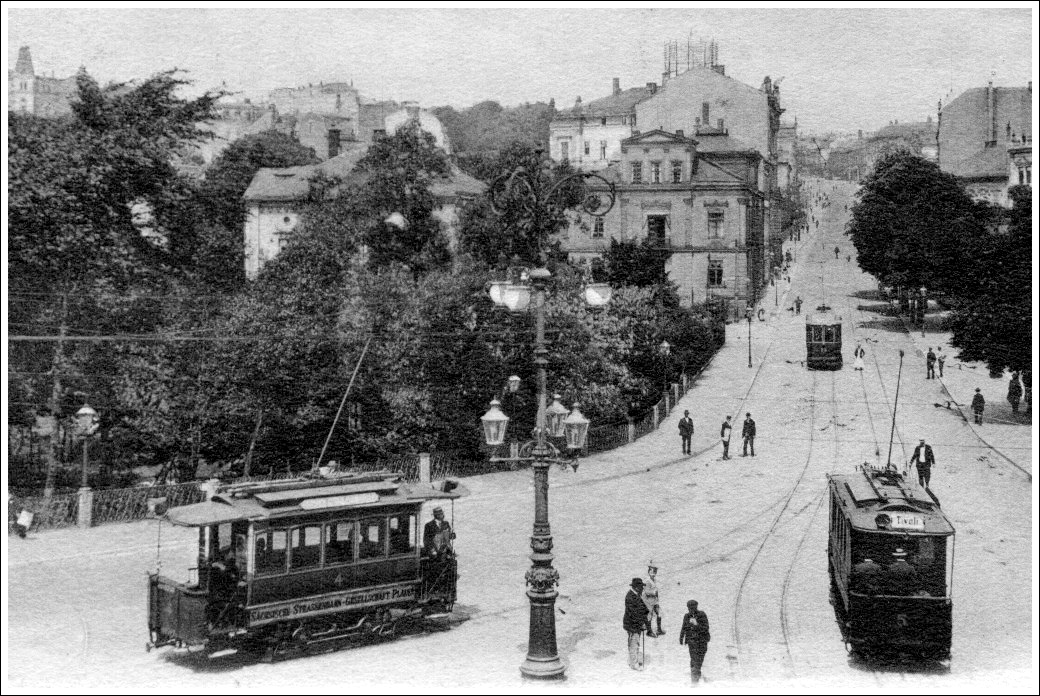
745 537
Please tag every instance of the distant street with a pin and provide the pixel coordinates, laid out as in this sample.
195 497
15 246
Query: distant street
746 538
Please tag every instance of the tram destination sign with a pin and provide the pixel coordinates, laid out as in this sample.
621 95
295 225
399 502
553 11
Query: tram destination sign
331 603
902 520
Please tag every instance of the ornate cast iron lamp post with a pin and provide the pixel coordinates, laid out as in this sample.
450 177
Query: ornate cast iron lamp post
539 201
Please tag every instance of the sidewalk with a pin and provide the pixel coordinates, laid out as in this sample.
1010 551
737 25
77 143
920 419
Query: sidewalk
1008 433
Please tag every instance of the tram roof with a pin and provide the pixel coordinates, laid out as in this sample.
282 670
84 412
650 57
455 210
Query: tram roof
870 493
822 315
293 497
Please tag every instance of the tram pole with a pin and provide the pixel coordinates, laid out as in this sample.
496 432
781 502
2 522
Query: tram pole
892 433
748 314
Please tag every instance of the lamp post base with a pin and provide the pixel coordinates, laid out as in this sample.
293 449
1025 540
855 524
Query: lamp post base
542 668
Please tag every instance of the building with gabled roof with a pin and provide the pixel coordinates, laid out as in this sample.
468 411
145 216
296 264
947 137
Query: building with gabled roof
589 134
39 95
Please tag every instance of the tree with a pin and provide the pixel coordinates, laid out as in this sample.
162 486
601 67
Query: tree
909 223
639 264
993 318
398 171
75 248
529 217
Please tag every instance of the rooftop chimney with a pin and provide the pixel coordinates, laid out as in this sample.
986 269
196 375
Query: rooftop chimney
651 87
991 110
680 133
412 108
720 69
577 102
617 86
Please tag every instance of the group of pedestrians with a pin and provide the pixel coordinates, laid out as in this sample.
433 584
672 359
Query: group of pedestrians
643 610
747 433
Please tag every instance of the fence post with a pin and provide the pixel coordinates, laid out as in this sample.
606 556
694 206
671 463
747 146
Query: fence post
685 383
631 429
85 515
655 415
675 390
667 403
424 467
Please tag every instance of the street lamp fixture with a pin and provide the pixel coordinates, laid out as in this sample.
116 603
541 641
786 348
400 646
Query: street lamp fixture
538 197
87 422
513 383
748 314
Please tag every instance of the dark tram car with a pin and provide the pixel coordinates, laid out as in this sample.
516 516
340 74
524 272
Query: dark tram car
890 554
823 340
283 565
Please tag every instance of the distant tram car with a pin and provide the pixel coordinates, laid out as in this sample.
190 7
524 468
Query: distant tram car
284 565
890 555
823 340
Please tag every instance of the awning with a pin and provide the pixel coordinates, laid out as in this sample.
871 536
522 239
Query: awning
204 514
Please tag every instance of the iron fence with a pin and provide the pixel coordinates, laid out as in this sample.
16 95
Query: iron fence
130 504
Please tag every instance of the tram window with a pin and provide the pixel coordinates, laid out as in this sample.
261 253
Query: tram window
373 538
829 334
817 334
270 552
339 542
306 547
241 552
926 551
223 541
402 534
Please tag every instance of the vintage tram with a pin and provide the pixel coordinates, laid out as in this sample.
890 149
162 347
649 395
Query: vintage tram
890 555
284 565
823 339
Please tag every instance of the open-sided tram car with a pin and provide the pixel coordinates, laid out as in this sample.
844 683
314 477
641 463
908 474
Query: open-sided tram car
823 339
899 601
285 564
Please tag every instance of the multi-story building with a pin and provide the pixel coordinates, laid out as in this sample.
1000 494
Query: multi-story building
35 94
978 131
589 135
728 120
699 199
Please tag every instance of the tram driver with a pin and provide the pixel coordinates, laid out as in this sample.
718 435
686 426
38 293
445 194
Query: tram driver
437 536
866 577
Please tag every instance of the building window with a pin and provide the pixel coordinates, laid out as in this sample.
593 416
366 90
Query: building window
603 121
602 149
655 172
586 148
676 172
597 228
624 120
637 172
565 150
378 133
716 218
657 230
714 274
1029 175
633 120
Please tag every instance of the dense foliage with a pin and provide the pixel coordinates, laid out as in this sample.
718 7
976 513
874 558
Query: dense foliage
916 226
189 364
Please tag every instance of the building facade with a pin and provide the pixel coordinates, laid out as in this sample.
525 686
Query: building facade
589 135
39 95
978 130
697 198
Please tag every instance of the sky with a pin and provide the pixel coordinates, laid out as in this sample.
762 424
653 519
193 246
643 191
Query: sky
843 68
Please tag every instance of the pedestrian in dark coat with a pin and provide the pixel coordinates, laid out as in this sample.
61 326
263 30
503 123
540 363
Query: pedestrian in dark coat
924 459
748 433
727 430
1014 393
686 431
978 405
798 304
695 634
636 621
930 361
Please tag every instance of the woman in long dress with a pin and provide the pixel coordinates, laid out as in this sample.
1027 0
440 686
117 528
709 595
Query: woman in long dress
858 353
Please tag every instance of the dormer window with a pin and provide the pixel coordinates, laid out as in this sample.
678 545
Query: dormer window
603 121
677 171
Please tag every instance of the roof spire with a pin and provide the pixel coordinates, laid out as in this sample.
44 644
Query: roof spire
24 66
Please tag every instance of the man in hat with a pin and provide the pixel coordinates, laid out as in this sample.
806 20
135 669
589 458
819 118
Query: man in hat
437 535
978 405
635 622
902 578
930 363
924 459
727 430
748 433
686 431
695 635
652 600
866 577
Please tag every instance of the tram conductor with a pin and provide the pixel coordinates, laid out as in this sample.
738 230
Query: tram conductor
437 535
